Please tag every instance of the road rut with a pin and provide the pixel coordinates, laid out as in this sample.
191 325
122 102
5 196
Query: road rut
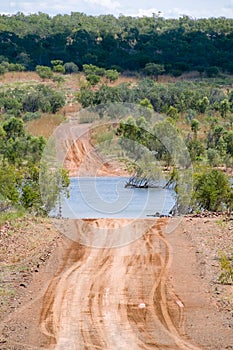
115 298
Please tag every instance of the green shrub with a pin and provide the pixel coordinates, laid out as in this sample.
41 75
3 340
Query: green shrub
44 72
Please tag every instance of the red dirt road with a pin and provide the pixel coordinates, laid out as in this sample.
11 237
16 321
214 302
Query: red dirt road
115 298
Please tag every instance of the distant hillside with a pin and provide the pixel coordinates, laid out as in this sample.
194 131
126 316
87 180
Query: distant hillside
124 43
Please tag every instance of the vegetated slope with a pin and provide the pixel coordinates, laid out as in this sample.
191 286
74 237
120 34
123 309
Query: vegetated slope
128 43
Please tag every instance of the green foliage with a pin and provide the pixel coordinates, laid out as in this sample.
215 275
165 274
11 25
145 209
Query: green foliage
71 67
54 185
11 67
212 72
172 112
196 149
44 72
146 103
213 157
31 99
11 214
154 69
224 107
129 43
59 69
195 126
20 155
16 67
112 75
203 104
93 79
14 128
229 142
211 190
184 96
31 102
90 69
56 63
3 69
10 179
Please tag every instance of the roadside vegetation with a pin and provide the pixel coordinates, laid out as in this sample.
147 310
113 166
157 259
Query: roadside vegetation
174 76
179 74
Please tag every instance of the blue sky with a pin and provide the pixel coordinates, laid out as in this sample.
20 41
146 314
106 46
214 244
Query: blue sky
168 8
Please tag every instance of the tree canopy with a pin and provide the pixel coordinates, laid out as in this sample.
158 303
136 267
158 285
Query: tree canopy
125 43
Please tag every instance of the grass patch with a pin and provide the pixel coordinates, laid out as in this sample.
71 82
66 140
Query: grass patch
226 262
45 125
7 292
11 215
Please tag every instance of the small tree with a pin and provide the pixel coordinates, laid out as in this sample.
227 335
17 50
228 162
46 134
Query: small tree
146 103
14 128
229 142
224 107
93 79
31 102
16 67
56 63
196 149
92 69
213 157
211 190
44 72
112 75
154 69
59 69
203 104
71 67
212 72
172 112
195 126
3 69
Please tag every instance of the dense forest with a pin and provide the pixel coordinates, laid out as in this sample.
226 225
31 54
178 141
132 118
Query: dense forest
124 43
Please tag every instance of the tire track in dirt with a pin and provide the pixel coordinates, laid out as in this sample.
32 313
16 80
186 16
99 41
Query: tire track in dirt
115 298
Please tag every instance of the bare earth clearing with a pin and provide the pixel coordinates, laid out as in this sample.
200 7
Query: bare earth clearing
156 292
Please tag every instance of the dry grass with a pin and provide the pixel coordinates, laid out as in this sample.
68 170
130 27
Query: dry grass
26 244
122 79
71 108
12 77
45 125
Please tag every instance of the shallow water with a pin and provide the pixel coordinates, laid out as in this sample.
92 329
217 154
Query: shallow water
107 197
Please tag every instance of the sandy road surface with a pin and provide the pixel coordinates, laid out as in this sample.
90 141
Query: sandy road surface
111 298
115 298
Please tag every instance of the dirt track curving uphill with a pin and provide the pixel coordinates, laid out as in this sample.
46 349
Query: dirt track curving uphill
83 160
115 298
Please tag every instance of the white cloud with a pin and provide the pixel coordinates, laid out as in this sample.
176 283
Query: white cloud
60 6
108 4
199 13
177 12
148 12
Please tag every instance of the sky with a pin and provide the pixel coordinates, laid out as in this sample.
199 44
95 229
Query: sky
168 8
